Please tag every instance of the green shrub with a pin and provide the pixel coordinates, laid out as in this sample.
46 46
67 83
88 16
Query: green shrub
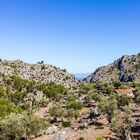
36 125
137 66
108 105
116 84
2 92
66 124
122 123
6 107
17 97
43 67
18 82
88 87
71 97
43 103
105 88
56 111
123 100
15 126
64 70
99 138
74 104
138 99
12 126
53 91
109 89
136 84
93 96
73 113
41 62
99 127
81 138
30 86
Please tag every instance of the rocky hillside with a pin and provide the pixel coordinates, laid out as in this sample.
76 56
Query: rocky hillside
38 72
125 69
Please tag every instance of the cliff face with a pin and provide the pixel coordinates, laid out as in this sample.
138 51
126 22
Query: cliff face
39 72
125 69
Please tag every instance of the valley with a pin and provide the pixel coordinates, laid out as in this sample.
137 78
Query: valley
43 102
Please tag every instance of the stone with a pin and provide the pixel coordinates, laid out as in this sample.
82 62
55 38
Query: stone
52 130
59 136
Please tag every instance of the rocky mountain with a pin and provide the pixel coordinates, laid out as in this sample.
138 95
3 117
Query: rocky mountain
39 72
125 69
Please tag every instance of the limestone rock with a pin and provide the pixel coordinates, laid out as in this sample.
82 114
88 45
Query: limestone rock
58 136
52 130
38 72
125 69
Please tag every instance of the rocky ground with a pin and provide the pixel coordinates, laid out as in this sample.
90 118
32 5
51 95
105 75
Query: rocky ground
89 133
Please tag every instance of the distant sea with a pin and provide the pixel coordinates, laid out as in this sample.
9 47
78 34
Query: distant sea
81 76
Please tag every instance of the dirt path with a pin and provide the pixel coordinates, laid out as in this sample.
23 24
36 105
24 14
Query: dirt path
42 111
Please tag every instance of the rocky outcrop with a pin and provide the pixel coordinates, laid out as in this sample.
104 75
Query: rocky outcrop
125 69
38 72
58 136
52 130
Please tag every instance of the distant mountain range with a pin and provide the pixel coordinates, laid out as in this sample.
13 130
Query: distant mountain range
81 76
125 69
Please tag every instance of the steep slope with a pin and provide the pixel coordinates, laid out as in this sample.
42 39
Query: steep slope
125 69
39 72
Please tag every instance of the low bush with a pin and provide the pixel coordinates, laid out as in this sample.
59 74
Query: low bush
99 127
66 124
15 126
75 104
93 96
6 107
99 138
56 111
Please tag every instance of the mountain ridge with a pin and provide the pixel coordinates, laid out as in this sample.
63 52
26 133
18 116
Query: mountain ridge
125 69
39 72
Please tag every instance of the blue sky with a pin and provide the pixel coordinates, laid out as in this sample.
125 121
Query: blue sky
78 35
